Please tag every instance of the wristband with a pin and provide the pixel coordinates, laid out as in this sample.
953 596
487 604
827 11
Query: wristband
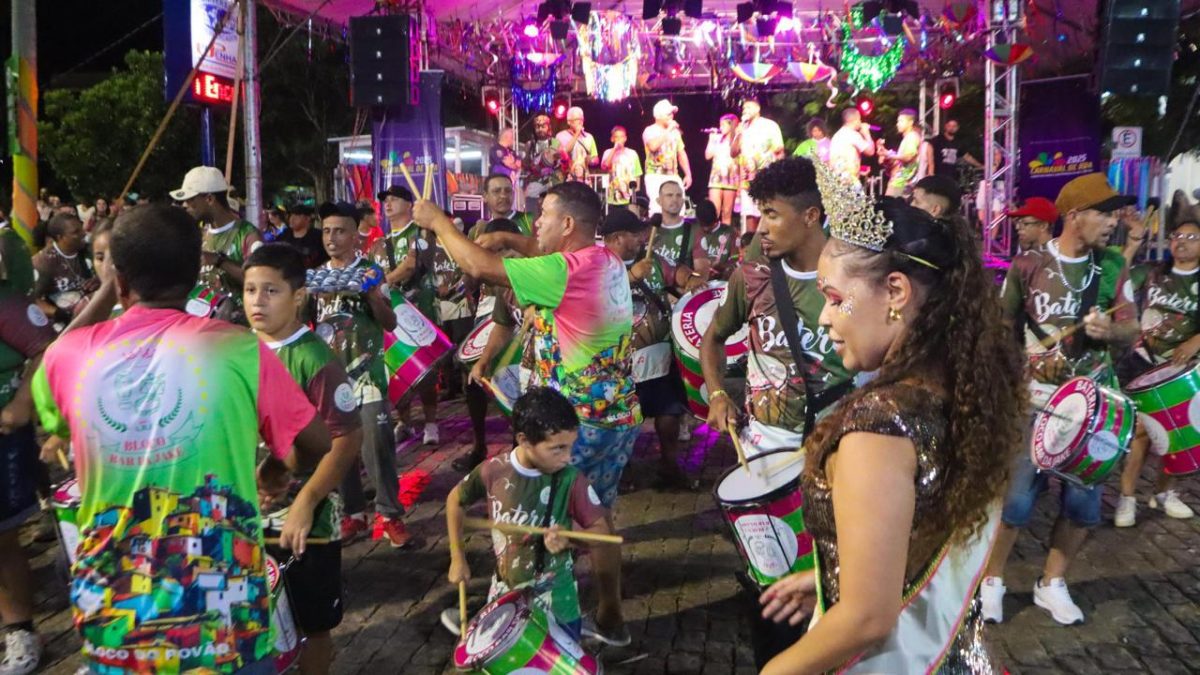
712 395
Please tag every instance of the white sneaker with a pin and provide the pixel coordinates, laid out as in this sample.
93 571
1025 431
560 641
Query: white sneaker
1126 514
431 434
685 432
1171 505
1056 599
991 597
23 652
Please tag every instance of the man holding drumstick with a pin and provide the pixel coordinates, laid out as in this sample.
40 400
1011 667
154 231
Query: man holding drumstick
1047 292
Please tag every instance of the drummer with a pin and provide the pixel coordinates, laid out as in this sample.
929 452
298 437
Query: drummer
655 374
353 324
786 387
228 240
793 374
1073 279
718 244
308 507
516 488
1170 332
676 237
580 337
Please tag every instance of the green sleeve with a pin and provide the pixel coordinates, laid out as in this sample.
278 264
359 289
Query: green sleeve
1138 275
539 281
52 418
734 309
472 489
1011 294
637 168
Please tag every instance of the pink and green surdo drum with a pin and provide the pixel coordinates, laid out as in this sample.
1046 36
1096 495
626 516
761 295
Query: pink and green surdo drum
515 635
1083 431
1168 404
413 350
764 509
689 321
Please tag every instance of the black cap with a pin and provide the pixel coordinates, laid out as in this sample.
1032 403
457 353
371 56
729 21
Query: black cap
621 220
398 191
942 187
642 201
301 209
345 209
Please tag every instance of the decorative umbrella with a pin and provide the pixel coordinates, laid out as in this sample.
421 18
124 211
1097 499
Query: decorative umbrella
1009 54
756 73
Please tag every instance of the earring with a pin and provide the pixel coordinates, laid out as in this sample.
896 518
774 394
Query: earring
893 314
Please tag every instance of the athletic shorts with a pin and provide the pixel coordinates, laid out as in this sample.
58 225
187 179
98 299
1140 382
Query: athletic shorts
664 395
601 454
18 477
315 585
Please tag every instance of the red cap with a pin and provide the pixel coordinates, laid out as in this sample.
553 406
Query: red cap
1037 207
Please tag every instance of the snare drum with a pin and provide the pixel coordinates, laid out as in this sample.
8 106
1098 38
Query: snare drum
689 321
285 635
764 510
514 634
205 302
472 346
1082 431
413 350
1168 406
65 500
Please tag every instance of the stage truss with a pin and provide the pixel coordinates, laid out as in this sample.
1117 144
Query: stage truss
1000 151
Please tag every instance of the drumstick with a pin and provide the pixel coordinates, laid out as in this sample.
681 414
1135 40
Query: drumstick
462 609
510 528
797 456
650 243
62 459
412 185
425 193
737 447
1053 340
274 541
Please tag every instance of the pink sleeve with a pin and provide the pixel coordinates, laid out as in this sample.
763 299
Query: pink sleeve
283 409
584 504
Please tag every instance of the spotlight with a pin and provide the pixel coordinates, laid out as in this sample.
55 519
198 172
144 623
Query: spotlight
651 9
558 9
530 30
766 25
745 10
559 106
559 29
865 106
946 99
491 100
893 24
672 26
786 24
694 8
581 12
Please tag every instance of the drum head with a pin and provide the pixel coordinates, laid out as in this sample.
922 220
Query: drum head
472 347
765 477
1064 422
1155 377
494 630
693 314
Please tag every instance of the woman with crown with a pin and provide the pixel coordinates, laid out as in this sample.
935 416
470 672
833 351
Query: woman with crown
902 480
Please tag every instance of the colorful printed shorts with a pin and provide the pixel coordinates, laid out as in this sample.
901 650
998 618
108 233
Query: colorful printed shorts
601 454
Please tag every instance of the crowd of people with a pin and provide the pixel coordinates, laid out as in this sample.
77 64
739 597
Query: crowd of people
219 408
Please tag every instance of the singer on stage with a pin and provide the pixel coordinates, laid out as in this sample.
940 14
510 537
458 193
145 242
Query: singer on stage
757 142
850 143
723 180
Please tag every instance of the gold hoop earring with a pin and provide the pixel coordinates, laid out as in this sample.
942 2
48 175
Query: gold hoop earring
893 314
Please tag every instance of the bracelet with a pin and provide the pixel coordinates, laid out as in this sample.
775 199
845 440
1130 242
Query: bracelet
712 395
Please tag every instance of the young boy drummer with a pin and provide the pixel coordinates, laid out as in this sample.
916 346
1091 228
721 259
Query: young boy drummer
296 510
517 487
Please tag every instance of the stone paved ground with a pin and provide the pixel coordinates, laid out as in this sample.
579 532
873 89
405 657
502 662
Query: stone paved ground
1140 588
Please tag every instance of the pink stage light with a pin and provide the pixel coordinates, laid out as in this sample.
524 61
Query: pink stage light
786 24
530 30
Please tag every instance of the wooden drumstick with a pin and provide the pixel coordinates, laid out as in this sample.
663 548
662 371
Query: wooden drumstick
1053 340
737 447
412 185
274 541
650 243
62 459
462 610
797 456
510 528
428 187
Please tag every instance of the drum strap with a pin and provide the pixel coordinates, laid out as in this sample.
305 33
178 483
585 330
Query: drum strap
813 403
1075 347
540 557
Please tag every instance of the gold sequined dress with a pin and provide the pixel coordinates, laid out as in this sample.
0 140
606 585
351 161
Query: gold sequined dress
918 414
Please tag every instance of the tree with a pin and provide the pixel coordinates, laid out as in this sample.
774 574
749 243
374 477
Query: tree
93 138
305 102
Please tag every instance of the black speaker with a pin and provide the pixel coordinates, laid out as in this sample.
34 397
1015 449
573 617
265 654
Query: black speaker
384 61
1139 47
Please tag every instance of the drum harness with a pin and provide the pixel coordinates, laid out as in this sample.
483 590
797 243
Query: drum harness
1075 348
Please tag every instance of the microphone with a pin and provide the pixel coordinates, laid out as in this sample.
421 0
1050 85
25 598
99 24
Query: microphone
874 127
710 130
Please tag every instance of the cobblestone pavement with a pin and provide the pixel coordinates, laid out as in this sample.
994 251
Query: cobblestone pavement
1139 588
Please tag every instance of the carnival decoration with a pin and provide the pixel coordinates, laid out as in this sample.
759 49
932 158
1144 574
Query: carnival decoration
813 71
1009 54
609 53
864 71
756 73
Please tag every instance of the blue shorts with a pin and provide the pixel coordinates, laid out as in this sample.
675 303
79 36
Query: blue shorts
601 454
1078 504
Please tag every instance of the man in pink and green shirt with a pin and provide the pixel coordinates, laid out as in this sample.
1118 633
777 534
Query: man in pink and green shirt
164 411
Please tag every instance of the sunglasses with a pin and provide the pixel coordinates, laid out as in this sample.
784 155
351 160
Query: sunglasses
1181 236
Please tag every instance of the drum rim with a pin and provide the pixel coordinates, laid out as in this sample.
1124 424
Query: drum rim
761 499
1085 427
470 337
677 311
1185 369
522 615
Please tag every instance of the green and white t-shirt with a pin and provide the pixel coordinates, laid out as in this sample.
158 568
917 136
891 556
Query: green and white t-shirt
164 411
1169 310
320 374
519 495
237 240
346 323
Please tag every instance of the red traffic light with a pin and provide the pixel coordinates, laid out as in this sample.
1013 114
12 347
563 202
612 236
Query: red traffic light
865 106
946 99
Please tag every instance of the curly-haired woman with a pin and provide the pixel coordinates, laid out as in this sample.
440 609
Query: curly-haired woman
903 480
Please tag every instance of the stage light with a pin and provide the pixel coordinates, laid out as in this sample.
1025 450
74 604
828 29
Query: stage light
865 106
530 30
694 8
651 9
946 99
672 26
491 100
786 24
745 10
766 25
559 29
559 106
581 12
